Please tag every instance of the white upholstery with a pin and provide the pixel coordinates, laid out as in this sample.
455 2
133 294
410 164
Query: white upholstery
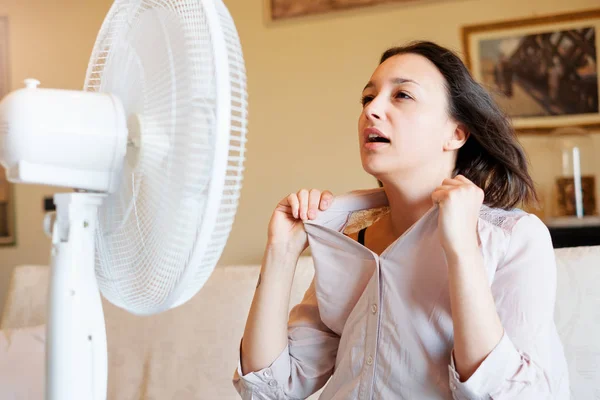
577 316
190 352
187 353
22 363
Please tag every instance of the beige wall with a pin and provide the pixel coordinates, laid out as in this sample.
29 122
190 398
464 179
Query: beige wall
304 81
50 40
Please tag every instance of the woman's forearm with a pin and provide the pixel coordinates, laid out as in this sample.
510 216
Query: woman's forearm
265 335
477 326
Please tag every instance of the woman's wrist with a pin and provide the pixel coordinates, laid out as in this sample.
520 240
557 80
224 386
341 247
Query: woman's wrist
281 257
284 249
464 253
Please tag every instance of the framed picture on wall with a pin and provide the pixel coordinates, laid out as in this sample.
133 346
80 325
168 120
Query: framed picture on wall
280 9
7 208
7 225
542 71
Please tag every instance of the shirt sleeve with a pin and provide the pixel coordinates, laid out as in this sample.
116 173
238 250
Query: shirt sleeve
528 362
303 367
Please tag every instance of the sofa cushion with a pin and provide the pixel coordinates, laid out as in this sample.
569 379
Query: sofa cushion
189 352
577 316
22 363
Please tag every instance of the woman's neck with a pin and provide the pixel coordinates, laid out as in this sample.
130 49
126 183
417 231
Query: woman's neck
409 199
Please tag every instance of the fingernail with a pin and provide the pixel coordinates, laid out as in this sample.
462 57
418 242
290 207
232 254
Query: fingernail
325 203
312 214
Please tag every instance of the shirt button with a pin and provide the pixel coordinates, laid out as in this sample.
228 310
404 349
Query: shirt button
272 383
452 386
374 308
369 360
267 373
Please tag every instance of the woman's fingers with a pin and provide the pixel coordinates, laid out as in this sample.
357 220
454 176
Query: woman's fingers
438 196
452 182
463 179
441 193
303 199
294 204
305 204
314 198
326 199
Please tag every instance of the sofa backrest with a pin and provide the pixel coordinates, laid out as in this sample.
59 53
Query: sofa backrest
189 352
577 316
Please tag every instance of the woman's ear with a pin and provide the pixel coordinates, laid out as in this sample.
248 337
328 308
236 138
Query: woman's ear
457 139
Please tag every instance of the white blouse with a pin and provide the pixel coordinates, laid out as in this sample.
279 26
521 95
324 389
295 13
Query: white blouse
380 327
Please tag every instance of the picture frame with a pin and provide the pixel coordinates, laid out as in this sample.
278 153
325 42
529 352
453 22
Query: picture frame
286 9
7 203
542 71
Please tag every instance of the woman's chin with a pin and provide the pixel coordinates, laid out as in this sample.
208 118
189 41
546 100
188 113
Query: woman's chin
379 167
374 168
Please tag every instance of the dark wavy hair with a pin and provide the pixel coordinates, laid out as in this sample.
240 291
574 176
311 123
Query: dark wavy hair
492 158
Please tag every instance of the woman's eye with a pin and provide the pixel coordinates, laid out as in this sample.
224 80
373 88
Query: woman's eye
365 100
402 95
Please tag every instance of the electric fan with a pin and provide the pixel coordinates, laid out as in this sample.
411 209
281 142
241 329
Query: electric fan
154 147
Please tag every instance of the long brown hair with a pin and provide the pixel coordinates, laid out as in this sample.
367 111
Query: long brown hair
492 158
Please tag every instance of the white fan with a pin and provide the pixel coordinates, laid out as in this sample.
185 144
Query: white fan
154 148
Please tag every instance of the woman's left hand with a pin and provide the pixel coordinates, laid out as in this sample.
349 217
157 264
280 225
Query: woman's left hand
459 202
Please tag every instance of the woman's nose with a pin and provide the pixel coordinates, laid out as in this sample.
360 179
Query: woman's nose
373 115
374 110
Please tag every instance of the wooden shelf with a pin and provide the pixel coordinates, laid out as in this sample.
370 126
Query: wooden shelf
574 232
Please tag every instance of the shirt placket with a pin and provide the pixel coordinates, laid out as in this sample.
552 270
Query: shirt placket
367 386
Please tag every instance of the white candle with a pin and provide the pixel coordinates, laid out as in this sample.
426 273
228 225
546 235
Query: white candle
577 182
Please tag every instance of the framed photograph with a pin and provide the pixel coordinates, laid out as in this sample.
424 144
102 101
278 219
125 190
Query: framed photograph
7 209
542 71
280 9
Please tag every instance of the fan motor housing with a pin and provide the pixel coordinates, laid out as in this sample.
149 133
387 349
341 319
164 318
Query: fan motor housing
65 138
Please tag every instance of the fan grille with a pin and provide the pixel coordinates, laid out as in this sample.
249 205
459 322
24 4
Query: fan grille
157 57
236 154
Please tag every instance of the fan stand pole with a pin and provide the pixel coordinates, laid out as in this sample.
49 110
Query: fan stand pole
76 354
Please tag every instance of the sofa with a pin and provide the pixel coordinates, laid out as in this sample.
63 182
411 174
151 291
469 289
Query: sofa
191 352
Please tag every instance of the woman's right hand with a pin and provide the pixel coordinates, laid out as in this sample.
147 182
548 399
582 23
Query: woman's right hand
286 227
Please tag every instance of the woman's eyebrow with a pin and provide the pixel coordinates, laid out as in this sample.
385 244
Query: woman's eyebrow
395 81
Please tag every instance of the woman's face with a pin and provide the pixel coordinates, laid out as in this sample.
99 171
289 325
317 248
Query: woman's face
405 101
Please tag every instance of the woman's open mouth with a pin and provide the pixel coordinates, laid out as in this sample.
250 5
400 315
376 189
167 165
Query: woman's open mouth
374 139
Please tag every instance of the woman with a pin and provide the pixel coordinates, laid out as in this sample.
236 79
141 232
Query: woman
432 287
